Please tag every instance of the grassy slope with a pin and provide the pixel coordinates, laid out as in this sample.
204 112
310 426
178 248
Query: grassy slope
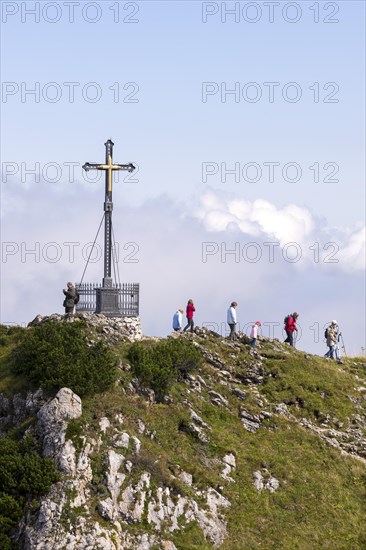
321 501
9 384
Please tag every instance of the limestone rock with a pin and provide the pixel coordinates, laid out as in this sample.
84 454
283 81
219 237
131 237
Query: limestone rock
230 465
114 477
238 393
112 328
65 406
198 420
52 423
266 482
281 408
186 478
137 443
218 399
140 426
106 509
24 407
148 393
195 431
104 424
121 440
250 421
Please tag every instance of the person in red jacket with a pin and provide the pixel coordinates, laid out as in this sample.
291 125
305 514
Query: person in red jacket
189 312
290 327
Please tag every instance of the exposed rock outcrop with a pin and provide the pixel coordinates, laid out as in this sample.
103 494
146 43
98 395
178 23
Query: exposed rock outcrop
114 328
264 480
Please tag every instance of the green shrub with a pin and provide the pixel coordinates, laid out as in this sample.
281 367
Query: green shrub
157 366
24 475
54 355
10 335
10 513
6 543
22 470
185 356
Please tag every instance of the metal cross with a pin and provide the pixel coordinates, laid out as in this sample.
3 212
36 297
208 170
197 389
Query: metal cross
108 167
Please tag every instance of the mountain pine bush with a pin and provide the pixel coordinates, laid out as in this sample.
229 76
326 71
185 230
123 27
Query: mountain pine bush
157 366
24 475
55 355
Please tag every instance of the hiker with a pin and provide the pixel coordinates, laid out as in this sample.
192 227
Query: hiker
254 333
231 320
190 309
177 319
331 341
290 327
332 336
70 300
338 335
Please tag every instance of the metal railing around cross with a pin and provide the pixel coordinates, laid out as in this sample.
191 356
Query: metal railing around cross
123 300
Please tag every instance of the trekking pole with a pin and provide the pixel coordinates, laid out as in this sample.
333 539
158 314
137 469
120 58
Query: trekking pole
343 346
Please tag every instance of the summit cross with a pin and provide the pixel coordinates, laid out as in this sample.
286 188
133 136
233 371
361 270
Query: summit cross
108 167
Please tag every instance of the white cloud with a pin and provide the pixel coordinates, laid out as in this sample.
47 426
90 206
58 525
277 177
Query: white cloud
257 218
353 253
219 212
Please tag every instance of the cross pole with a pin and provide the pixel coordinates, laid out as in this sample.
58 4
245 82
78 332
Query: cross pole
108 167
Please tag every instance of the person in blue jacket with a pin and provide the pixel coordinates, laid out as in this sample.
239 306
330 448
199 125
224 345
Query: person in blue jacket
177 319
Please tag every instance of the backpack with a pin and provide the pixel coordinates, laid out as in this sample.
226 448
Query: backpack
286 319
77 297
326 333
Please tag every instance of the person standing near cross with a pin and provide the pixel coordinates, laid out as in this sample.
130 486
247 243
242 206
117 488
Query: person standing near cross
70 296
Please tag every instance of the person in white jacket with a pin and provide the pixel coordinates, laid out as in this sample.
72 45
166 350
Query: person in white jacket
231 319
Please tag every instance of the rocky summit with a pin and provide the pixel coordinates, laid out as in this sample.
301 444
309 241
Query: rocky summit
240 448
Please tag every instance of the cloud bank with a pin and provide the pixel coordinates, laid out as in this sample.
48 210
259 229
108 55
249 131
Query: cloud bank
167 258
262 221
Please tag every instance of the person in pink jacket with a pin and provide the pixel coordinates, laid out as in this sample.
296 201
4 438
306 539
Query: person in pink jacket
254 333
189 313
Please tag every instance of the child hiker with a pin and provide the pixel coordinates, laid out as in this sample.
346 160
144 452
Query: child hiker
254 333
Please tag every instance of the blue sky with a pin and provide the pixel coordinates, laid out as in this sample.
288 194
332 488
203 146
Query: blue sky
183 140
